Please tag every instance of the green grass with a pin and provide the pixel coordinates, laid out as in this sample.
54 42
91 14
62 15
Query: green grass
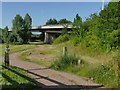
102 74
24 56
36 55
106 74
64 61
91 68
16 48
87 54
36 43
14 78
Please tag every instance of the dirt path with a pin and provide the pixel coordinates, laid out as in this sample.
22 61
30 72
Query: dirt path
48 78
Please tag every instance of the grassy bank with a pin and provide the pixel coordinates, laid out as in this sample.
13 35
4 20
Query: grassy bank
43 55
16 48
100 67
14 78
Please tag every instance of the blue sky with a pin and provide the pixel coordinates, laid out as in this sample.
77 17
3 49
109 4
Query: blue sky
42 11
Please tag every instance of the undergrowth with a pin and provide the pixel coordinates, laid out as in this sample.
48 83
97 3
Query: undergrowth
14 78
106 74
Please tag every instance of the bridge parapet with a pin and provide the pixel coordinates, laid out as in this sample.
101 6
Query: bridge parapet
55 26
35 27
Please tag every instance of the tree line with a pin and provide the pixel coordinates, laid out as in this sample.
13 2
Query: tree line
61 21
20 30
98 32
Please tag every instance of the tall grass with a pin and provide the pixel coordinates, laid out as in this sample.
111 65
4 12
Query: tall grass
64 61
13 78
106 74
16 48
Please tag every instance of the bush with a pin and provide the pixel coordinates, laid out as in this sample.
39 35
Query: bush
62 38
106 74
13 38
75 40
63 61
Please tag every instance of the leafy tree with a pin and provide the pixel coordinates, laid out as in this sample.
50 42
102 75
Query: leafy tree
77 25
27 21
78 20
21 29
64 21
26 34
109 23
51 22
18 25
6 35
93 16
98 32
65 29
1 36
13 38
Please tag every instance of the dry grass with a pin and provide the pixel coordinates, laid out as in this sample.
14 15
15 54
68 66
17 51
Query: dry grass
43 55
93 58
46 54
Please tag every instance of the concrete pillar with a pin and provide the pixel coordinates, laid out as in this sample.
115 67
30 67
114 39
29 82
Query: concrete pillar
46 39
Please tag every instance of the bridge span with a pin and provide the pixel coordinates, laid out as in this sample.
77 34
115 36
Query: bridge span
51 32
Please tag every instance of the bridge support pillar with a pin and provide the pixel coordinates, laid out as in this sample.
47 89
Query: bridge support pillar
46 39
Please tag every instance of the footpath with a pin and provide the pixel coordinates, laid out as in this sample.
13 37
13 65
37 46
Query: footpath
48 78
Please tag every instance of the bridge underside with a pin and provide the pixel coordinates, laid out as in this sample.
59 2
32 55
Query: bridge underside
50 34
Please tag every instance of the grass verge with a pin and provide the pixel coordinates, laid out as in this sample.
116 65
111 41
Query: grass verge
106 74
17 48
43 55
14 78
24 56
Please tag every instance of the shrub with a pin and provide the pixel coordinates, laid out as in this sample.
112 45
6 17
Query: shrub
106 74
63 61
13 38
75 40
62 38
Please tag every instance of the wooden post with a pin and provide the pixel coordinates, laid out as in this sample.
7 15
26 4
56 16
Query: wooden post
64 50
46 39
7 56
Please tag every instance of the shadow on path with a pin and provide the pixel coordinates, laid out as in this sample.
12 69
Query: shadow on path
15 85
59 84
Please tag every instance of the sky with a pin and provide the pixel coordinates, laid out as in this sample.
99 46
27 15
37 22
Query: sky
42 11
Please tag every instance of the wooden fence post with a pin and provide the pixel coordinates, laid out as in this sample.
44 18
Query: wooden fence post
64 50
7 56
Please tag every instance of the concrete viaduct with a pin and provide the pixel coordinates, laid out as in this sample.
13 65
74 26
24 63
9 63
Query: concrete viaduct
51 32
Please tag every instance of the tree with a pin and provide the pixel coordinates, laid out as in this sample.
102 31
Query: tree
6 35
64 30
18 25
51 22
21 29
78 20
77 25
1 36
26 34
64 21
13 38
109 25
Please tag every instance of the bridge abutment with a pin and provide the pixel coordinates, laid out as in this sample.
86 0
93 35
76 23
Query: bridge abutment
49 37
46 37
